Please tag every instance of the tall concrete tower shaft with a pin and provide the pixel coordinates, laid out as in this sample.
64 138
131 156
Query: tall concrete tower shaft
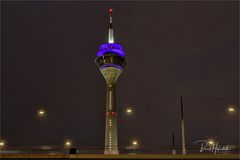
111 61
111 140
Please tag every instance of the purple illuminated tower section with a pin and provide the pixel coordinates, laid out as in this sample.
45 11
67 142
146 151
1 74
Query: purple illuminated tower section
111 61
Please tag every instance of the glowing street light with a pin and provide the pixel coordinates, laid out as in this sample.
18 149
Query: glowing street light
129 110
232 108
2 143
211 142
68 143
41 112
134 143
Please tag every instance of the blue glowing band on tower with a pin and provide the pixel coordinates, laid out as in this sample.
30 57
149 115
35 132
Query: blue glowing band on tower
111 48
111 65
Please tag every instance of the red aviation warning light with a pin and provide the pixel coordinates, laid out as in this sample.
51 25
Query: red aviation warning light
110 13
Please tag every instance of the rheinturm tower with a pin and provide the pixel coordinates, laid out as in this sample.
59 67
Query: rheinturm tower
111 61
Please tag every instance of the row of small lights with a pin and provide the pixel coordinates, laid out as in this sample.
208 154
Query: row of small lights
231 109
3 143
42 112
68 143
134 143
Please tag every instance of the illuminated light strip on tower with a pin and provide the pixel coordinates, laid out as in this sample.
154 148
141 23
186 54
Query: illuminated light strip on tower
111 47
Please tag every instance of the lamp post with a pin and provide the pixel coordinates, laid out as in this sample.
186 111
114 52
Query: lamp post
2 143
211 142
68 143
173 144
232 108
41 113
183 129
134 142
129 111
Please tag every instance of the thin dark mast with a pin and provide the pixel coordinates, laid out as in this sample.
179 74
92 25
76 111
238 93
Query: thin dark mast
110 33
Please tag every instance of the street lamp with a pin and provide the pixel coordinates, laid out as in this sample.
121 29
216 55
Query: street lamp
41 113
2 143
183 129
133 145
129 110
134 142
232 108
68 143
211 142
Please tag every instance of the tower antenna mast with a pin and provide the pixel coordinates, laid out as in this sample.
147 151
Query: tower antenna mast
110 32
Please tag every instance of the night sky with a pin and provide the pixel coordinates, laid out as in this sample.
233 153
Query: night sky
173 49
